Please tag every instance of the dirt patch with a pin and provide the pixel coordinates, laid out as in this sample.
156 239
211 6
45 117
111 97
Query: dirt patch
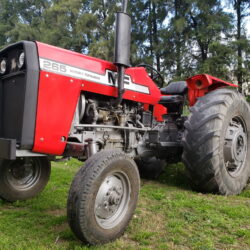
57 212
9 207
61 228
127 241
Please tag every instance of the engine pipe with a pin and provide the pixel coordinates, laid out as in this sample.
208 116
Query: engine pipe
124 6
122 47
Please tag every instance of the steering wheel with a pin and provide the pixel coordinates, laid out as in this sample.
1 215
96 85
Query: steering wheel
155 75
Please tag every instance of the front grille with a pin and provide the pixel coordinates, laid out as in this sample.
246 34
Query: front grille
12 89
18 94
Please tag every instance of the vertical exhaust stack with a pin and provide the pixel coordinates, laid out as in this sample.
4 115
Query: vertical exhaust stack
122 47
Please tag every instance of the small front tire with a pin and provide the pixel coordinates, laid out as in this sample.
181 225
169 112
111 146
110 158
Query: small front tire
23 178
103 197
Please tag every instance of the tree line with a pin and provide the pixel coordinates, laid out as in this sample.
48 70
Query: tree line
179 37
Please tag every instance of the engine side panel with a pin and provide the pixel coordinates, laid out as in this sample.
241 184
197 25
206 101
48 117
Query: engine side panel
57 100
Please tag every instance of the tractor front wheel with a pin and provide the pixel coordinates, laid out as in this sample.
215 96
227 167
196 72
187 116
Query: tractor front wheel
103 197
23 178
217 144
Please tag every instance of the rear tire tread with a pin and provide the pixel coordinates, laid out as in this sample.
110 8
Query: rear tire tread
201 154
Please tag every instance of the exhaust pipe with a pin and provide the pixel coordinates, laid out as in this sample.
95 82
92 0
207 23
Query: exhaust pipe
122 47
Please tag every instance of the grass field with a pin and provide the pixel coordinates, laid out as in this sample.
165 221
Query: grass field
169 216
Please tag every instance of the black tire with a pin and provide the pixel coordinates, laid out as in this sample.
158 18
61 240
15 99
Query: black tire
217 144
86 205
23 178
150 167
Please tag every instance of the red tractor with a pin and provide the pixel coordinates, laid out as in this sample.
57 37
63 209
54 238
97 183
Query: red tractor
55 102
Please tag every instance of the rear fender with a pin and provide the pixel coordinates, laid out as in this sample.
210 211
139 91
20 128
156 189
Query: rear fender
200 85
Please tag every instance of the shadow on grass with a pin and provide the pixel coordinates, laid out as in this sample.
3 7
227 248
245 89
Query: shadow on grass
175 175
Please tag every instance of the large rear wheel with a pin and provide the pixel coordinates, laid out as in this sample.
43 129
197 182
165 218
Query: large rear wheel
23 178
217 144
103 197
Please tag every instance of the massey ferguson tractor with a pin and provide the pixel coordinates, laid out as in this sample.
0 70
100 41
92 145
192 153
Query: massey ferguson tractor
113 116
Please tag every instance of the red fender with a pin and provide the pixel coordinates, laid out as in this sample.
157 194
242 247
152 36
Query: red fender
200 85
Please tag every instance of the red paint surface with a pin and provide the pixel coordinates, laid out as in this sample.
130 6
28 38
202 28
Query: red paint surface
57 100
74 59
200 85
159 111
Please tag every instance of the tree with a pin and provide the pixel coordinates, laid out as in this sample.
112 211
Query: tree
8 20
102 45
242 9
148 28
209 28
29 17
68 24
178 37
176 55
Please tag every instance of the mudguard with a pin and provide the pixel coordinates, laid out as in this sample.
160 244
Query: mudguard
199 85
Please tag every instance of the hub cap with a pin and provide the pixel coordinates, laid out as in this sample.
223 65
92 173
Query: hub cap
112 200
22 174
235 147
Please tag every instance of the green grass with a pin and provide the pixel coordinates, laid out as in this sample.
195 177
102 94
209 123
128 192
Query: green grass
169 216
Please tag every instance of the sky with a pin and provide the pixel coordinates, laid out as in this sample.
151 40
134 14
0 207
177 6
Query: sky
229 9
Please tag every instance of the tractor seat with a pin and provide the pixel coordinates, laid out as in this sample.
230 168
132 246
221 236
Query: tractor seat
173 103
175 88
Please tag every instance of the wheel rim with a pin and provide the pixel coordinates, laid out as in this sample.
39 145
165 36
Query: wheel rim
22 174
112 200
235 146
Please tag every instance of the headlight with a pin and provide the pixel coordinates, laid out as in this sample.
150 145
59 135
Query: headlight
3 66
21 60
